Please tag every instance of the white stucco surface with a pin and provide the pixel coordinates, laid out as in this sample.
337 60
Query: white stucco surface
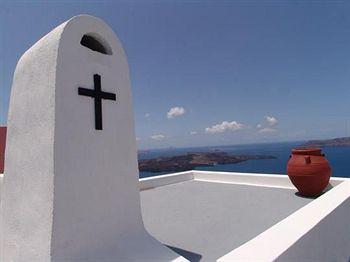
318 231
71 192
328 239
204 220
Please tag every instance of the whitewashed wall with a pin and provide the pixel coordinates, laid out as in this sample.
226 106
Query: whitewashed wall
318 231
329 240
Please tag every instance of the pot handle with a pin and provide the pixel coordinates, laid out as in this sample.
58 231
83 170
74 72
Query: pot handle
308 160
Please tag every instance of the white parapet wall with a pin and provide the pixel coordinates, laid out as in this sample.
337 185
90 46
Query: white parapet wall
157 181
253 179
318 231
329 239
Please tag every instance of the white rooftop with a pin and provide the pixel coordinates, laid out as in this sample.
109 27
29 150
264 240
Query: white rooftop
206 216
221 216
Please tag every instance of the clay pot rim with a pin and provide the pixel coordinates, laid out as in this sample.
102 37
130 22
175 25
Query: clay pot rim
307 151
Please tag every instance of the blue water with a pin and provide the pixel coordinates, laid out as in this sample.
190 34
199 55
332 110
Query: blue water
339 158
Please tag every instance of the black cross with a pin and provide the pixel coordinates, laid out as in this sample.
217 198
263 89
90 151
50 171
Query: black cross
98 94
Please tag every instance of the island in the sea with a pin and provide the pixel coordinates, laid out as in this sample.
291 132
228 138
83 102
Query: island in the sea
189 161
341 141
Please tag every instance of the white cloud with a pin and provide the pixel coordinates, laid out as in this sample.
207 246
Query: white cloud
193 133
158 137
267 130
175 111
224 126
271 121
147 115
138 139
268 126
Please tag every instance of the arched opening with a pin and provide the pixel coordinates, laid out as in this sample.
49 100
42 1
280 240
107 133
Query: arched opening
96 43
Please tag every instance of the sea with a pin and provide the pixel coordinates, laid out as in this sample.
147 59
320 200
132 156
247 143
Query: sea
338 157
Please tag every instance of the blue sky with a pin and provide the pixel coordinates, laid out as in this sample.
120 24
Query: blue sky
233 71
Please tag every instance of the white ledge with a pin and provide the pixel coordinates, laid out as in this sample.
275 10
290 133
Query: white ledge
252 179
310 225
157 181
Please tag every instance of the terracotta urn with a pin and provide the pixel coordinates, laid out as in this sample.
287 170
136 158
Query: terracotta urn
309 171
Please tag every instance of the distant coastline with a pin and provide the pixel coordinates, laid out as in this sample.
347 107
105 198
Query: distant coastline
338 156
341 141
190 161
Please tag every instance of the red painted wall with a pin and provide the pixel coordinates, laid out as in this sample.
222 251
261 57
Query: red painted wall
2 147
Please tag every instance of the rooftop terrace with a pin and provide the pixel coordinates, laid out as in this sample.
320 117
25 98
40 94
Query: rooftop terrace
204 216
209 216
208 219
